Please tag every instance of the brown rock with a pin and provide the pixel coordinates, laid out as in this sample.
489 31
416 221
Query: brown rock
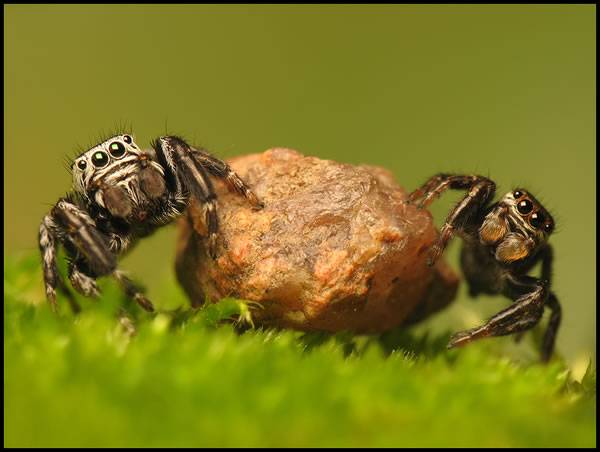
335 248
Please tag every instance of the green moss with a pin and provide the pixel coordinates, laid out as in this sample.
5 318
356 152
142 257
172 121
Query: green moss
186 379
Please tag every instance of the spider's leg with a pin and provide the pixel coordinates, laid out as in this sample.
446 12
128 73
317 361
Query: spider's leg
480 191
552 328
416 197
91 248
547 257
439 183
188 174
48 249
83 279
133 291
83 283
52 279
70 297
521 316
221 169
82 237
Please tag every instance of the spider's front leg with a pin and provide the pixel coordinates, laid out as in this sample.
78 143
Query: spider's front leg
546 256
68 224
219 168
187 171
481 190
52 279
88 248
531 295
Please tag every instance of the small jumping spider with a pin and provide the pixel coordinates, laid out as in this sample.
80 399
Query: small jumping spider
121 194
502 243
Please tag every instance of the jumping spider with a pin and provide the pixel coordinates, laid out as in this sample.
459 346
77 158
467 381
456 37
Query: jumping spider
502 243
121 194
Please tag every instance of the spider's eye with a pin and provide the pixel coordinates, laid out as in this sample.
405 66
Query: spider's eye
548 228
127 139
116 149
525 206
81 164
537 220
99 159
517 194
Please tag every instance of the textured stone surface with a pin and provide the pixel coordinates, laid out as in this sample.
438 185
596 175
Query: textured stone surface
335 247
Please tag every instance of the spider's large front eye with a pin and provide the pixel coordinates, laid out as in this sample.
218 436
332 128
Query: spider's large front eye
81 164
525 206
99 159
116 149
537 220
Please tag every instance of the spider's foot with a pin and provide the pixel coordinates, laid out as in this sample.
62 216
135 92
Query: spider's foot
257 204
144 302
212 246
414 197
434 254
52 302
462 338
459 339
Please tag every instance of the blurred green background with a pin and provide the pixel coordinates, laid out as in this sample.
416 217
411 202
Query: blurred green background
506 91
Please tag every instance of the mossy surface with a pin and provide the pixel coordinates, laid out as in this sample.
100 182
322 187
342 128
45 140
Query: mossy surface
186 378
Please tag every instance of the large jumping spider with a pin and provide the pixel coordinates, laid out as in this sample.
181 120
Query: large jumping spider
122 194
502 242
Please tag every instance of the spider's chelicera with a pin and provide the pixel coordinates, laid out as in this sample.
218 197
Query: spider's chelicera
121 194
502 243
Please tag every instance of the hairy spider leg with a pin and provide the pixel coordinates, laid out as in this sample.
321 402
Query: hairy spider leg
222 170
84 284
133 291
552 328
90 250
481 190
84 237
530 296
48 248
188 172
547 257
525 313
52 277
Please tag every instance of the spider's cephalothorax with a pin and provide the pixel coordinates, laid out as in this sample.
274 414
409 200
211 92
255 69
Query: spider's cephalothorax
502 243
122 193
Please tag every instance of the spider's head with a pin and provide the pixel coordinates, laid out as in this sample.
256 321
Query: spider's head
528 215
106 162
519 225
